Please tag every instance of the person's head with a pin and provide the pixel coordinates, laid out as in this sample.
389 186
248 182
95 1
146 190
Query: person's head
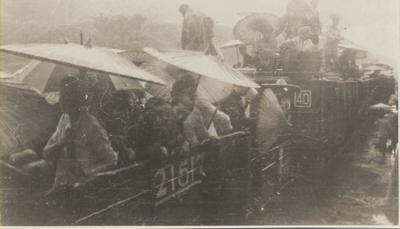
183 87
139 93
158 111
242 91
73 96
183 9
182 110
124 100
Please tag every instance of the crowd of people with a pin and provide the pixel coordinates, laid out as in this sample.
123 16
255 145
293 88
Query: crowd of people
299 45
101 128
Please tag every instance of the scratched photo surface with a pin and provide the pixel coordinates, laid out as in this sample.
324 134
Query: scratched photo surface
199 112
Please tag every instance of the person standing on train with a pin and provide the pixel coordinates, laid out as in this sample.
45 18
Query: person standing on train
300 56
332 39
198 32
192 37
299 13
266 47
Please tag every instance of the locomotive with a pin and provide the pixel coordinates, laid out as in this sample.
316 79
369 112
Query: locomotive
324 109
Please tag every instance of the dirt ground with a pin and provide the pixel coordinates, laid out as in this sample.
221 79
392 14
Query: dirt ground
355 193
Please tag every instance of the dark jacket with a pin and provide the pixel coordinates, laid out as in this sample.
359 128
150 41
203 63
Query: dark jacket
232 106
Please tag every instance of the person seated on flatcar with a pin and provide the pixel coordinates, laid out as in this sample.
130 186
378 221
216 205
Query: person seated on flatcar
100 98
235 106
217 122
80 146
186 106
123 113
140 94
155 136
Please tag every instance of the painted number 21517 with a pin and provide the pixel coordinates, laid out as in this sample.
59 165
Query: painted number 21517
177 177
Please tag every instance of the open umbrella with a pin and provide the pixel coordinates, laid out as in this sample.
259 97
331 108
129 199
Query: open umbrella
244 29
204 65
208 88
91 58
27 120
46 77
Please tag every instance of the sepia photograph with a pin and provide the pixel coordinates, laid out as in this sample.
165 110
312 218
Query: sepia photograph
200 113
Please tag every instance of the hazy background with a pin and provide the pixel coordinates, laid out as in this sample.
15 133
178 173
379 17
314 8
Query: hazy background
373 24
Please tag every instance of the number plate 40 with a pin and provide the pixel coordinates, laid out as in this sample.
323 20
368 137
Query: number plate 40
302 98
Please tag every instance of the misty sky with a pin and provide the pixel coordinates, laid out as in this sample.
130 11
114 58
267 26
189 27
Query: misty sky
373 24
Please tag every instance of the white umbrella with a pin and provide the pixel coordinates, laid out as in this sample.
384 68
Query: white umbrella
203 65
208 88
46 77
96 59
271 121
244 29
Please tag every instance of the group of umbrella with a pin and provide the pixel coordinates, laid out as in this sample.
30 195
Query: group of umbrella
215 79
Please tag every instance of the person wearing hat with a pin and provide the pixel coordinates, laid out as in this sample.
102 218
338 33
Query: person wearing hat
267 47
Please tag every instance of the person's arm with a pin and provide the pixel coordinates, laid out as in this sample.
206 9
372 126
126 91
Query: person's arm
58 140
51 151
184 36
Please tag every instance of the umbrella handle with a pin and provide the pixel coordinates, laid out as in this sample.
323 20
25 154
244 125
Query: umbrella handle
212 118
196 86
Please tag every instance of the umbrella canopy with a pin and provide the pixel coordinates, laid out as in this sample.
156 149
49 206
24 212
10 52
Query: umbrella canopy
244 29
46 77
233 43
27 120
91 58
212 90
271 121
202 64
